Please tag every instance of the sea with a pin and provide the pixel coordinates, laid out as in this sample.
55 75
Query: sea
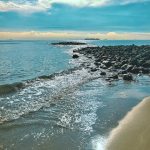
49 102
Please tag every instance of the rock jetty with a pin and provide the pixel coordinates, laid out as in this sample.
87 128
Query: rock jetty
121 61
69 43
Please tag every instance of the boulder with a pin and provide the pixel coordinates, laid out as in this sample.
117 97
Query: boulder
75 56
146 64
135 70
97 63
94 69
117 65
129 68
103 73
114 76
107 63
123 72
145 70
127 77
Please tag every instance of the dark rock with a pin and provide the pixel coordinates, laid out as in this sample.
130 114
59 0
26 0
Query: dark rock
147 64
135 70
145 70
123 59
52 104
47 76
103 66
94 69
127 77
129 68
134 61
107 63
75 56
103 73
124 62
117 65
140 62
108 79
114 76
104 57
122 72
97 63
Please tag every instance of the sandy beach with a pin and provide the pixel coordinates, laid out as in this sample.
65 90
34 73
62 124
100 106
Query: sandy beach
133 131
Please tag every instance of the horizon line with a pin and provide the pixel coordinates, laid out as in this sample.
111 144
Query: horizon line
5 35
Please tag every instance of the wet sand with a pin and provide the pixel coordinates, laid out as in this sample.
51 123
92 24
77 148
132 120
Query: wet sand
133 131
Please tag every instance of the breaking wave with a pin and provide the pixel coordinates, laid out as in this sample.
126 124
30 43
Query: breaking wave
41 92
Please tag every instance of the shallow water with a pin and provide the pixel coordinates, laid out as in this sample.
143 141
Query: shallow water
73 111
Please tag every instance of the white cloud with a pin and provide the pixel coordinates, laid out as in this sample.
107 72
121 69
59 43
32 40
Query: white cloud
40 5
82 3
43 5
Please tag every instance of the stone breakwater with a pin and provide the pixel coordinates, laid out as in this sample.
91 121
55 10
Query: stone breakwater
69 43
119 61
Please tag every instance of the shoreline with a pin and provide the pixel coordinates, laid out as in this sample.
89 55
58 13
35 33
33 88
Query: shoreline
132 133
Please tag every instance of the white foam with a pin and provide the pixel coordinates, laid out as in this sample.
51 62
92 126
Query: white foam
42 92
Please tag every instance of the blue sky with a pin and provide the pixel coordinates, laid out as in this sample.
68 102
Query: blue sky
75 15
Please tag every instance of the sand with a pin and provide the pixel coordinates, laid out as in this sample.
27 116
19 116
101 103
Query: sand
133 132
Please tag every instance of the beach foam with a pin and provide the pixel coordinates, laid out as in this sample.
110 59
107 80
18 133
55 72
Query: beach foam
133 131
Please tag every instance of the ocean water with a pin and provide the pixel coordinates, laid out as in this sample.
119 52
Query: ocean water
45 104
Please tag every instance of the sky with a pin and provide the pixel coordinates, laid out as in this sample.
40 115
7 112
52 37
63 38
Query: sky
112 19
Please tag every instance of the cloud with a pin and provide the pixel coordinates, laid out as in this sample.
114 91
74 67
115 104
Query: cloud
82 3
43 5
73 35
38 6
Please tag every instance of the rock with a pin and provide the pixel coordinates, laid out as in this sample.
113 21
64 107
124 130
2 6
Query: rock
52 104
124 62
94 69
140 62
124 59
103 73
123 72
114 76
127 77
108 79
145 70
124 66
135 70
103 66
134 61
75 56
129 68
104 57
107 63
117 65
146 64
97 63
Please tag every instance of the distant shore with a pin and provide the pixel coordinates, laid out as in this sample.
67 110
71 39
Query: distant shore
69 43
133 131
